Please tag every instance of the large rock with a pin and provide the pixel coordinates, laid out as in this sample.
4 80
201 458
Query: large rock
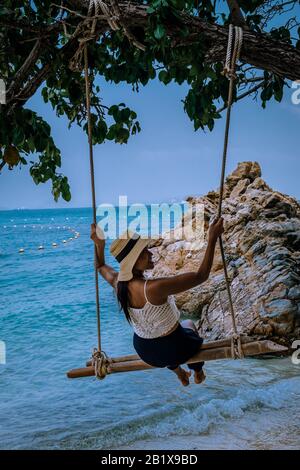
262 245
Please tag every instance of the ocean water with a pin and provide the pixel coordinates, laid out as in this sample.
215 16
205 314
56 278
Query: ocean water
47 321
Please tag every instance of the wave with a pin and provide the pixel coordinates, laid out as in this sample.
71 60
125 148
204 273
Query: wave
194 420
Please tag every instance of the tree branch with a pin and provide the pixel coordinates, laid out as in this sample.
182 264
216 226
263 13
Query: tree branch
236 14
21 74
65 53
243 95
259 50
26 26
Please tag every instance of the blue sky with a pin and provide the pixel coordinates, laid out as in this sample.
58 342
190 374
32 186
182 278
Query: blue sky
167 160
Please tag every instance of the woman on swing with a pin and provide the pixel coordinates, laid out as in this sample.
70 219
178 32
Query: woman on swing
159 338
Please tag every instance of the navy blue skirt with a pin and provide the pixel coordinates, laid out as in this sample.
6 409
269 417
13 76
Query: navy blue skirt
171 350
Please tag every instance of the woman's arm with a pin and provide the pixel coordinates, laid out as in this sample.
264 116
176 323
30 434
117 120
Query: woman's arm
159 289
107 272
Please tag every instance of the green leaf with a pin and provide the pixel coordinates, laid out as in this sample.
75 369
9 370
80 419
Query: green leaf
278 90
164 77
267 93
18 136
193 71
45 94
66 195
102 131
75 91
111 133
114 111
210 124
122 135
125 114
159 32
65 190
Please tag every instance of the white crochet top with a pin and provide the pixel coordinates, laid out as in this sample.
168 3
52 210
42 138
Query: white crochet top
152 321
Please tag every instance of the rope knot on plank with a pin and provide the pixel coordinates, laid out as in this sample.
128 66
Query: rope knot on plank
236 347
100 363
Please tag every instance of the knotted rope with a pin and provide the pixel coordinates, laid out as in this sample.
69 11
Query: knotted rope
115 22
127 32
234 46
100 362
111 19
235 41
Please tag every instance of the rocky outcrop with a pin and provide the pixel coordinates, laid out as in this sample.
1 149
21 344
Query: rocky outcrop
262 245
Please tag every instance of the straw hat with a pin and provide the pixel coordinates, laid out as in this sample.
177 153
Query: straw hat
126 249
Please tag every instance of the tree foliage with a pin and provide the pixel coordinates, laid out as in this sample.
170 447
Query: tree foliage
39 39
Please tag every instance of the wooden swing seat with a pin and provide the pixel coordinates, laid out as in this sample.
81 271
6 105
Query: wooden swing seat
210 351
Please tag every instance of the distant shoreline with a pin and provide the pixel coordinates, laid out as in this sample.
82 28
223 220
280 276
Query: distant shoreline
23 209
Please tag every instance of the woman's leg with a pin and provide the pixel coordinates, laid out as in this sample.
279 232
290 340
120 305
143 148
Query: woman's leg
199 375
182 374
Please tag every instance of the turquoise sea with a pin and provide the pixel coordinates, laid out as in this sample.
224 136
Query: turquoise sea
47 321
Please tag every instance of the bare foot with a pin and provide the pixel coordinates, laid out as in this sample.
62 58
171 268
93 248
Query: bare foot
184 376
199 376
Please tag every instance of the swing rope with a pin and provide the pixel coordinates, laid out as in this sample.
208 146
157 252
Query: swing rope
235 40
100 360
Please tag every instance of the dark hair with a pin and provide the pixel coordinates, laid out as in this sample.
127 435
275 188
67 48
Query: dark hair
122 295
